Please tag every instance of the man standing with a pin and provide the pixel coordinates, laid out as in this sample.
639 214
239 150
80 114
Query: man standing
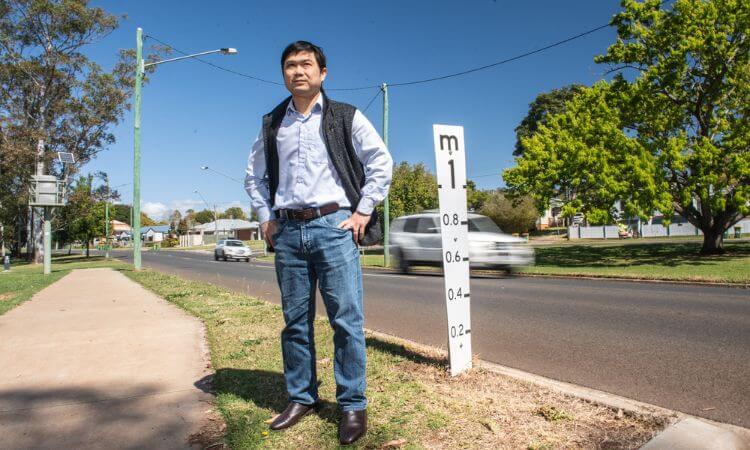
314 176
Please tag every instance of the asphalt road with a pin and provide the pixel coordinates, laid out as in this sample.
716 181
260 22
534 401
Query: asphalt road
683 347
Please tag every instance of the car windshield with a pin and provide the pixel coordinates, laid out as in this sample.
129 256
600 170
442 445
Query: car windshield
234 244
483 224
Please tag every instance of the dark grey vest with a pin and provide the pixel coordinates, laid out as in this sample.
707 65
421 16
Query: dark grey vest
337 119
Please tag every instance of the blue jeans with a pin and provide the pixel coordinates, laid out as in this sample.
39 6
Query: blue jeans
318 252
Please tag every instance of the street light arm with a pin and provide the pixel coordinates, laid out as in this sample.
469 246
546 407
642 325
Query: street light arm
226 51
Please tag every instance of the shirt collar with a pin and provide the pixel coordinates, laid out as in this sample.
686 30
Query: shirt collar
317 107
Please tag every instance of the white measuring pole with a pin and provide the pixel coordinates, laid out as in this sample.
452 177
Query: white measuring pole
450 156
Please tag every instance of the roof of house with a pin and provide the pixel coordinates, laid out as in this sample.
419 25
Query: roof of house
226 225
156 228
119 226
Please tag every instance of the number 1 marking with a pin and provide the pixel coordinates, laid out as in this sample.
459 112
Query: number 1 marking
453 175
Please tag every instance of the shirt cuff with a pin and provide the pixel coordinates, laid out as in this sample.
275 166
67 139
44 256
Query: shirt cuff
366 205
265 214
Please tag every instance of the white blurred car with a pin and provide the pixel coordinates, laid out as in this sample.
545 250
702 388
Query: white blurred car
415 240
232 249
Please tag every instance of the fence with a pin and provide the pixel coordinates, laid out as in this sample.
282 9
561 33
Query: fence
674 229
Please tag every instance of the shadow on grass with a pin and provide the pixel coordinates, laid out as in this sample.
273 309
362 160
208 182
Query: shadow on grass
668 255
267 389
67 259
401 351
263 388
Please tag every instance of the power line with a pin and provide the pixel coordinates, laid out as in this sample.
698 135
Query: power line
504 61
486 175
252 77
405 83
371 100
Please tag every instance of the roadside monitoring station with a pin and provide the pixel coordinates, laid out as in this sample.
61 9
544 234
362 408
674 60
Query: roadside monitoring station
450 157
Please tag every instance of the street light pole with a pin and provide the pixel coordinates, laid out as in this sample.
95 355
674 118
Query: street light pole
136 209
139 69
106 223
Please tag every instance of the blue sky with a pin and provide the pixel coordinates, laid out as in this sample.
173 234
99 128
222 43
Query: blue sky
193 114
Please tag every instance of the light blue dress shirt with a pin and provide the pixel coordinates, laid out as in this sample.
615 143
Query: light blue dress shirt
307 177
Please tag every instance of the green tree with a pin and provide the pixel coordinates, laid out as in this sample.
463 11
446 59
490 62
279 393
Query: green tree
121 213
475 198
52 96
674 136
511 215
82 218
544 105
234 212
413 189
204 216
585 153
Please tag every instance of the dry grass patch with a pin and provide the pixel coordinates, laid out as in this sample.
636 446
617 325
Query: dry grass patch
484 409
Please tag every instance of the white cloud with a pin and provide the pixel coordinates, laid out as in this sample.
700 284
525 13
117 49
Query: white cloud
155 210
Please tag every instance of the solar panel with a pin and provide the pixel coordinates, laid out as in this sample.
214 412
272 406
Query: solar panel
66 158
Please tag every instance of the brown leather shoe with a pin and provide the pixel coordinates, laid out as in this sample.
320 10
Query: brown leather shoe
353 426
291 415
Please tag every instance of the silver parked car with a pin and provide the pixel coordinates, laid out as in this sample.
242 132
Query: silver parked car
232 248
415 240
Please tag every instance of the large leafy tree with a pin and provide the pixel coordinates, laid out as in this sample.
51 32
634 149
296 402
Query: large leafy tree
585 154
52 96
670 132
204 216
544 105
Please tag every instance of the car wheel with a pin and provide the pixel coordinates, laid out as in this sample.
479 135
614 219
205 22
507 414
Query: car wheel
225 257
247 259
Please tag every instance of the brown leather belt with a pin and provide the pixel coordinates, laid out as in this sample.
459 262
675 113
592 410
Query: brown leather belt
307 213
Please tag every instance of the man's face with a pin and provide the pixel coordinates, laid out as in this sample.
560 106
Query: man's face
302 75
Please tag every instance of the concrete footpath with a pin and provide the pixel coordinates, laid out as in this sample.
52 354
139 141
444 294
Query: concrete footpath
97 361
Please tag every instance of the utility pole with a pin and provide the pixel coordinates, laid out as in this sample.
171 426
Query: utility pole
386 208
106 222
216 225
136 210
47 240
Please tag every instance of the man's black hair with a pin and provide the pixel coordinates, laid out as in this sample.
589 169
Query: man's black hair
304 46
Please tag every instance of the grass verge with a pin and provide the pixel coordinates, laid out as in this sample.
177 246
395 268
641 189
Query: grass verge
414 403
24 280
663 261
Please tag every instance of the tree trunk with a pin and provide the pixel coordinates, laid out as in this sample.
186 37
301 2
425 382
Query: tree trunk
713 242
87 247
38 212
29 233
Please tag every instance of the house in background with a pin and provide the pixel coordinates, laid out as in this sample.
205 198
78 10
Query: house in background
209 233
120 231
156 233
